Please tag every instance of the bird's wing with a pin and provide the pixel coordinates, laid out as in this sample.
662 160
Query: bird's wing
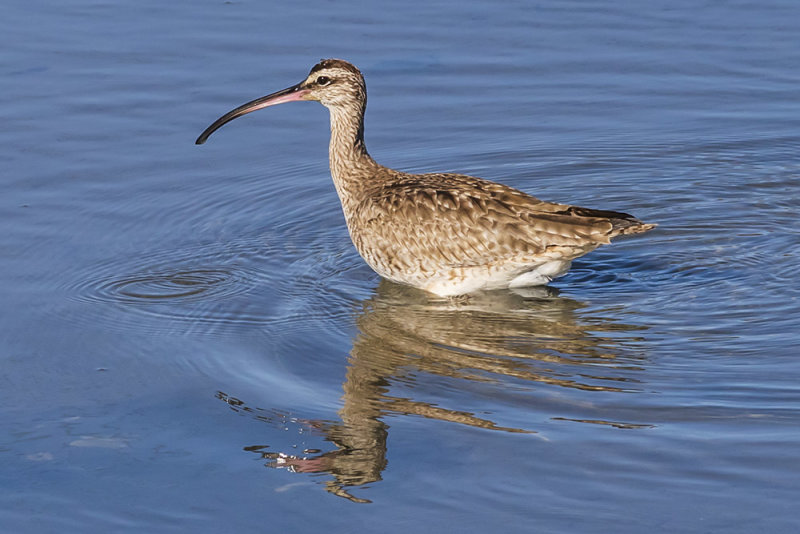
466 221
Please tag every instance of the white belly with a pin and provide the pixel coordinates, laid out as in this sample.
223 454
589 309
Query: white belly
469 280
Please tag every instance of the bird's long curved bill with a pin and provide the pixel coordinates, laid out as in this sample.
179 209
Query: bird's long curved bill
290 94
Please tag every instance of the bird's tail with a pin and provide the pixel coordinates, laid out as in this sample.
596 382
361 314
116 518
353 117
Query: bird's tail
621 223
629 226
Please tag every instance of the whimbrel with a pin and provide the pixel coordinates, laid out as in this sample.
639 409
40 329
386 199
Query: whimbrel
449 234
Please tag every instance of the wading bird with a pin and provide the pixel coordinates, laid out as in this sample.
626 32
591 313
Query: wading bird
449 234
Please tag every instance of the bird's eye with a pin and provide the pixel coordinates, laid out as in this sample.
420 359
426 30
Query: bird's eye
323 80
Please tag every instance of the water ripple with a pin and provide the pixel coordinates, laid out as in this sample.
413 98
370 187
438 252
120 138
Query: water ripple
179 285
247 282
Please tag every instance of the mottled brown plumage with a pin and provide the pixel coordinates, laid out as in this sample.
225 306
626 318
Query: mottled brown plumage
449 234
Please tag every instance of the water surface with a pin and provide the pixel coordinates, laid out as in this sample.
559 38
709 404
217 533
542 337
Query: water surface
191 343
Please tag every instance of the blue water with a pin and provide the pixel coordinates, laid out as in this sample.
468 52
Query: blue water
192 344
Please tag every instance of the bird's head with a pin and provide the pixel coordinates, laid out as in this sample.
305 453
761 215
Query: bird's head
334 83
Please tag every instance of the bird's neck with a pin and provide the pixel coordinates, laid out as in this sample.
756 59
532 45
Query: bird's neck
352 168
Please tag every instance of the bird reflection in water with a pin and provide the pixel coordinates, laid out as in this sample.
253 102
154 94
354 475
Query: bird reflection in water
499 337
